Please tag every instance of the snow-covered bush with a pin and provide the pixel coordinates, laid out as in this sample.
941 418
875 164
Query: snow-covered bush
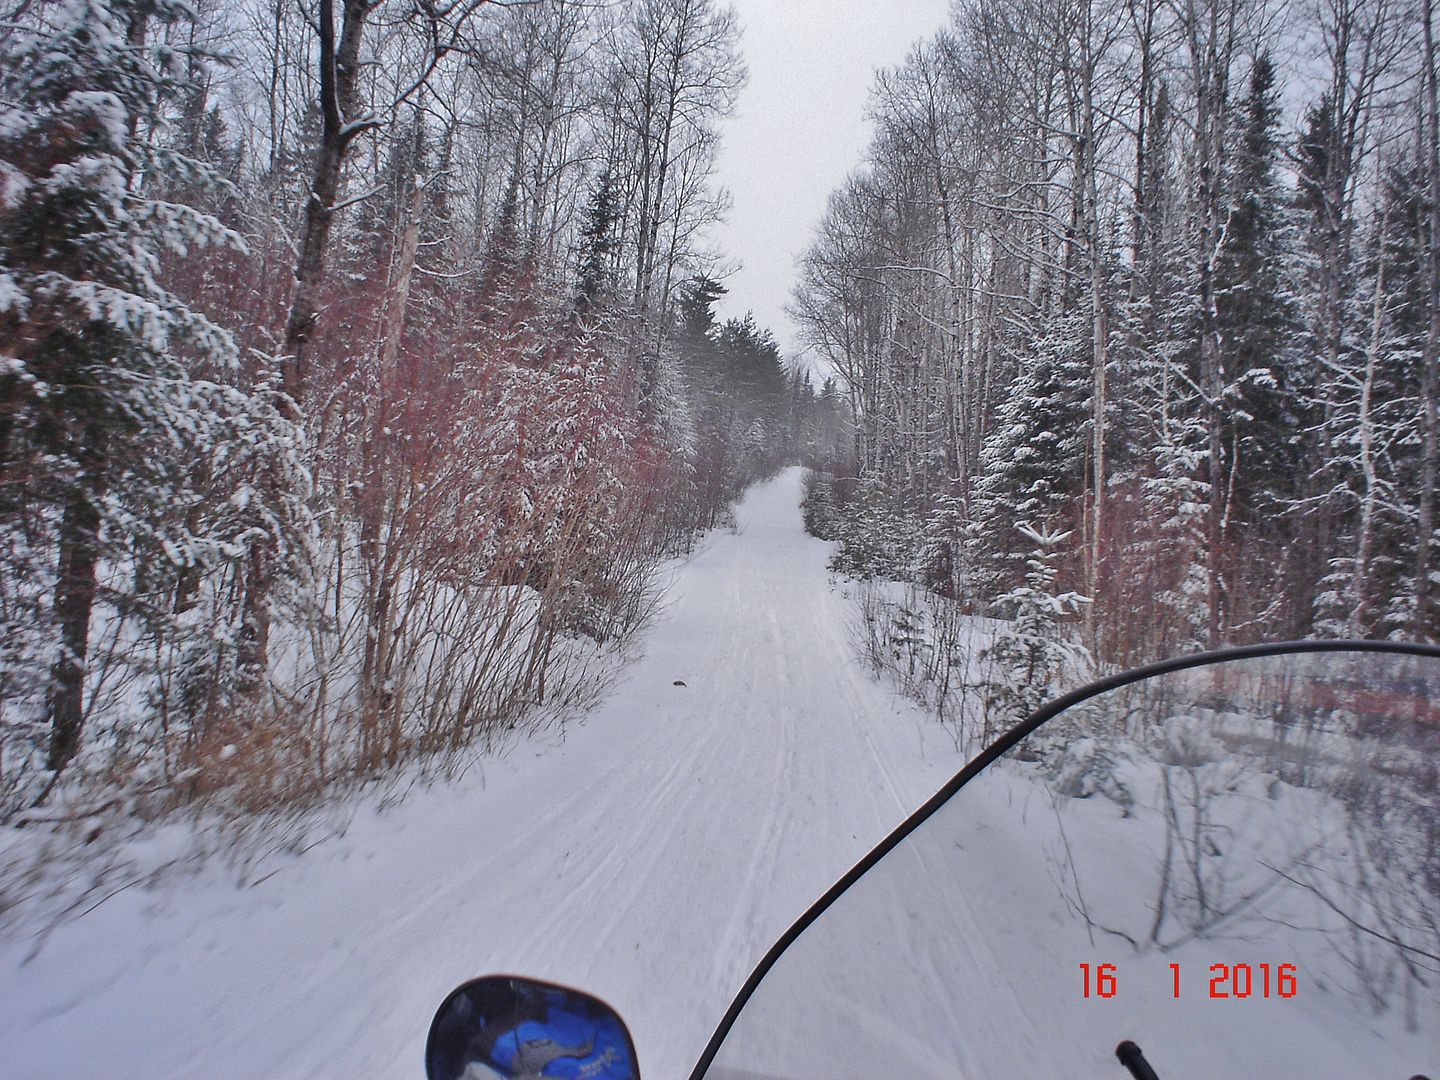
878 538
942 560
1086 766
818 505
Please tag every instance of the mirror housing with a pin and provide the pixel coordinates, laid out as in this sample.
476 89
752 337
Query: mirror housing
503 1027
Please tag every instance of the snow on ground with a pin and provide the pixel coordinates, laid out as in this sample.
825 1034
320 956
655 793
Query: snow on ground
650 857
958 956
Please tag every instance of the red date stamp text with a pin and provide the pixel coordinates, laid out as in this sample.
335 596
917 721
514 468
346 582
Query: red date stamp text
1223 981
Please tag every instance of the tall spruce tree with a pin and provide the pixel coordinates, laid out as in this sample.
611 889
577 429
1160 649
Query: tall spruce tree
1255 305
1403 252
1258 324
1375 423
103 419
595 275
1034 457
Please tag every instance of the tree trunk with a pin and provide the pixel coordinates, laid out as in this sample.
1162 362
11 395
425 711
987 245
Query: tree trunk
1430 354
338 93
1364 542
339 68
1211 384
1212 41
79 542
1100 352
375 671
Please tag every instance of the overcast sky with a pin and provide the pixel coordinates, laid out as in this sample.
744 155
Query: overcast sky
799 129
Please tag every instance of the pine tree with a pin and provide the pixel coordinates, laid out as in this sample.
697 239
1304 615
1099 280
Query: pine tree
1328 313
104 420
1034 457
595 276
1256 313
1375 425
1399 413
1031 651
380 217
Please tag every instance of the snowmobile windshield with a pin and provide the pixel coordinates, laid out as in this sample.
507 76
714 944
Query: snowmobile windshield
1233 861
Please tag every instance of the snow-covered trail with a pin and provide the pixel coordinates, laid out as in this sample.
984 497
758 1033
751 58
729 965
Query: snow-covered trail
651 857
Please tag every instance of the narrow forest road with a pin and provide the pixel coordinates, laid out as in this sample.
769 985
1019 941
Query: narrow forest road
650 857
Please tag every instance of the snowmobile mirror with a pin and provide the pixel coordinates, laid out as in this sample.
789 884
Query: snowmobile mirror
502 1026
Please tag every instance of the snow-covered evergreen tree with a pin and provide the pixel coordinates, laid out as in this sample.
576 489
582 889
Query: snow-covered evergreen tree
1374 425
595 275
1399 412
1256 309
1034 457
106 430
942 559
1033 649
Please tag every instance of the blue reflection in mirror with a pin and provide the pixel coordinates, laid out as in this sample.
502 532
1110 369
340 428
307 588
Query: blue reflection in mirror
517 1029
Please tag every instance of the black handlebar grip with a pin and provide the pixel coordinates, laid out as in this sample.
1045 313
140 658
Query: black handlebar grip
1131 1057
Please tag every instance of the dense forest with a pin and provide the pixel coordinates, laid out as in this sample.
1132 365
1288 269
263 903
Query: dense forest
360 365
1136 304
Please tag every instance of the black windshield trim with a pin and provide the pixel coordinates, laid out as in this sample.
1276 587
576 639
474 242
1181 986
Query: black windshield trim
987 756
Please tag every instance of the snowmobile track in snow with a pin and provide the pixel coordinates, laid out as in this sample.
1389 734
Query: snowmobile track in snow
651 857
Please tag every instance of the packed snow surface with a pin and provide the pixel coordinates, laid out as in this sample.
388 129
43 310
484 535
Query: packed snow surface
654 853
650 857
